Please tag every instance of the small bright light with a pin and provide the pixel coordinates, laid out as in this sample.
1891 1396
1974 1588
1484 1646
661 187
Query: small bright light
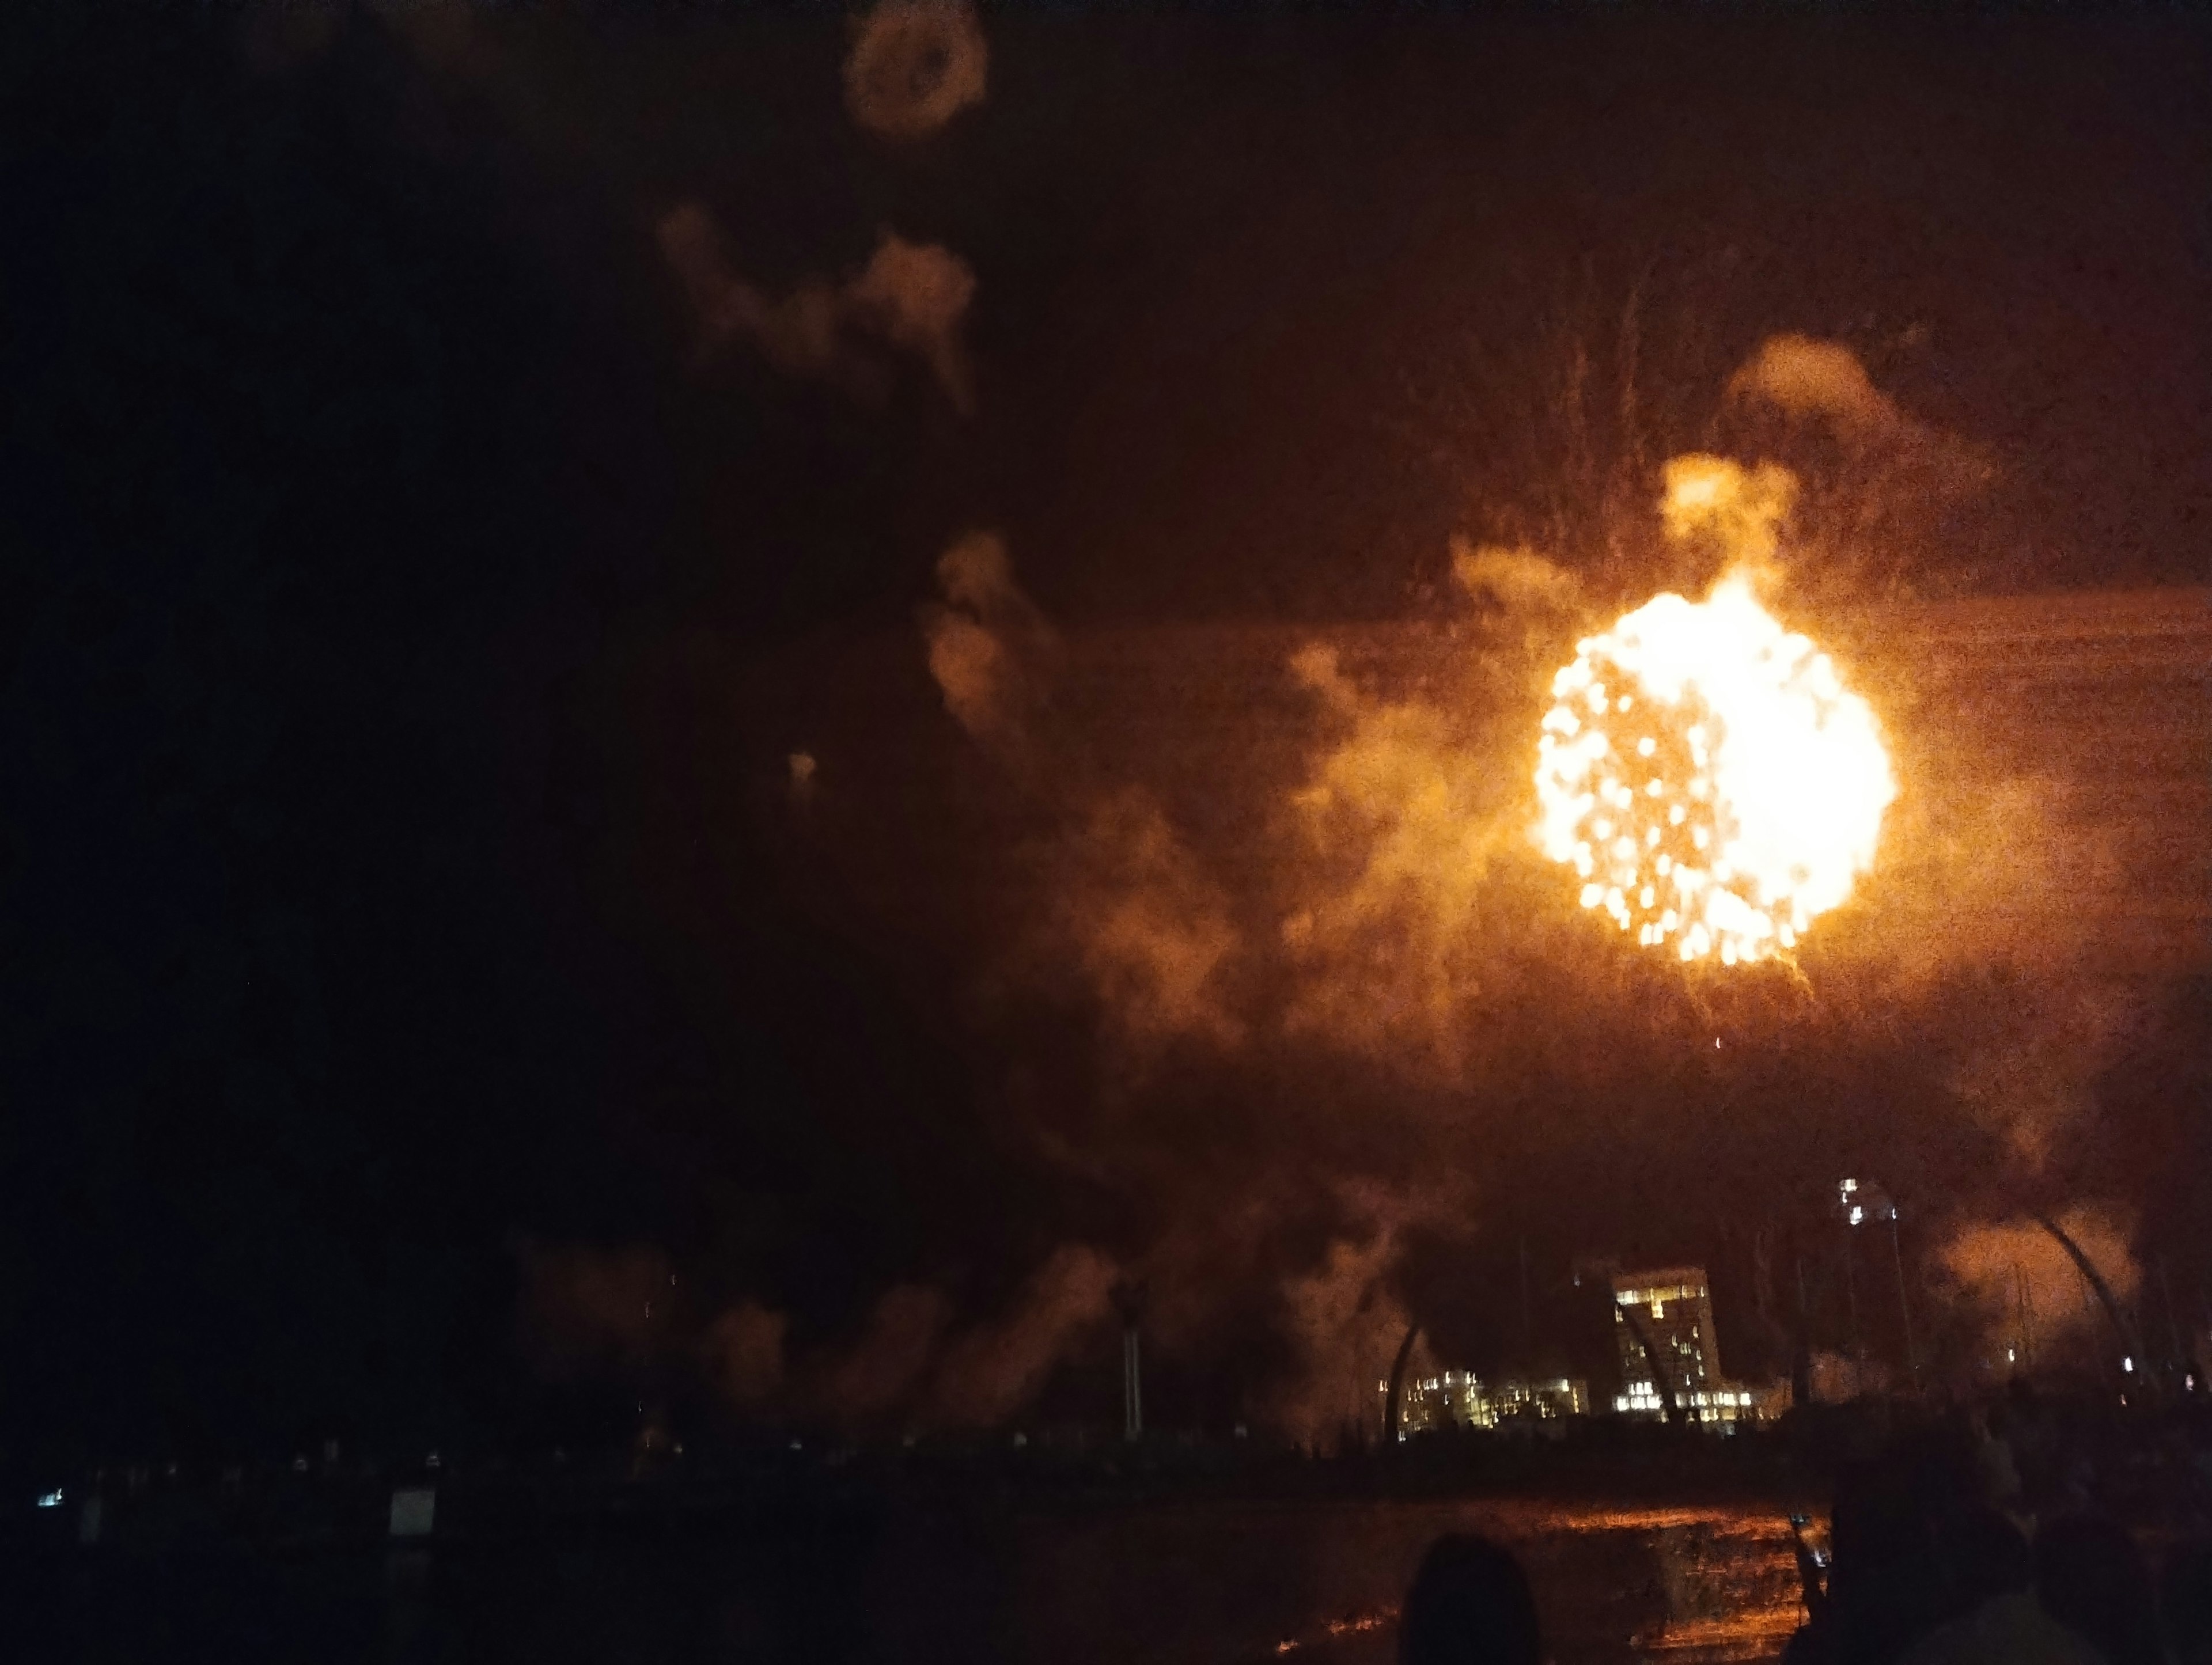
1857 1214
2127 1363
2007 1355
51 1499
1849 1186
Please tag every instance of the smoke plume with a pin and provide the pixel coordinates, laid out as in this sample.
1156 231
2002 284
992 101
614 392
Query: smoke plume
1151 929
910 297
992 1370
2030 1076
1343 1317
914 66
1739 510
2025 1289
1407 816
1807 377
744 1350
1125 903
586 1310
1810 380
991 652
883 1369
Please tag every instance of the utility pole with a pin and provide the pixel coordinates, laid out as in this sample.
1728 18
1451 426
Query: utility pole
1527 1317
1903 1304
1800 1362
1852 1212
2178 1354
1130 1299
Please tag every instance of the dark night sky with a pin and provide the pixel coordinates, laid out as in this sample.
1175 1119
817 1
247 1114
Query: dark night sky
380 555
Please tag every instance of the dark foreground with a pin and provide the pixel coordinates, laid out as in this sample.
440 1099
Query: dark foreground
1639 1544
1210 1582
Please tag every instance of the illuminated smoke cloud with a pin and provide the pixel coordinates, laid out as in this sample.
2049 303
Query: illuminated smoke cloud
915 296
1414 815
1808 377
2030 1075
911 297
993 1370
586 1309
1128 905
1997 1266
883 1369
1409 809
1151 929
914 65
991 652
1820 380
1346 1327
744 1351
1343 1319
908 1367
1740 510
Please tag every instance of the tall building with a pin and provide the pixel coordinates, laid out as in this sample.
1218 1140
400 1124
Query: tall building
1669 1312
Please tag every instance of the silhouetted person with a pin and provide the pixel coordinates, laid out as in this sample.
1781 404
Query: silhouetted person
1984 1556
1469 1605
2185 1604
2092 1578
1989 1571
1885 1590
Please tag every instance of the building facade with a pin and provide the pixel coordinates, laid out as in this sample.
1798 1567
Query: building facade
1460 1399
1669 1313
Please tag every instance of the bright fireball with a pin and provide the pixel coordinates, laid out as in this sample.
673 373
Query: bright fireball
1711 781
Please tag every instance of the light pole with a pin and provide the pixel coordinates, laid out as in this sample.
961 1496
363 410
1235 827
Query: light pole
1861 1202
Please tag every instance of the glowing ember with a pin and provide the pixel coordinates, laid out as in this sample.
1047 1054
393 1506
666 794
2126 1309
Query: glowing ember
1711 781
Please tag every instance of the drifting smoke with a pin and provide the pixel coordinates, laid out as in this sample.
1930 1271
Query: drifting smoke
1739 512
1152 930
991 653
584 1310
1408 814
1129 908
1343 1317
2026 1288
1806 377
911 297
1809 380
613 1314
910 1366
915 296
914 65
883 1370
744 1350
2030 1078
993 1370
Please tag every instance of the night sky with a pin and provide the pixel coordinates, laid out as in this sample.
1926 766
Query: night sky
411 943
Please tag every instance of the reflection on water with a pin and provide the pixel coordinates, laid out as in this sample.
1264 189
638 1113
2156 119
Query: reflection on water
1228 1584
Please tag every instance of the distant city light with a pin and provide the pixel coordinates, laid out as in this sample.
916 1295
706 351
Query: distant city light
2127 1363
51 1499
1858 1213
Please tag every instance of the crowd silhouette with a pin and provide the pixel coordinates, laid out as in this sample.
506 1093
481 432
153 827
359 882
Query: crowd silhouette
1985 1536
